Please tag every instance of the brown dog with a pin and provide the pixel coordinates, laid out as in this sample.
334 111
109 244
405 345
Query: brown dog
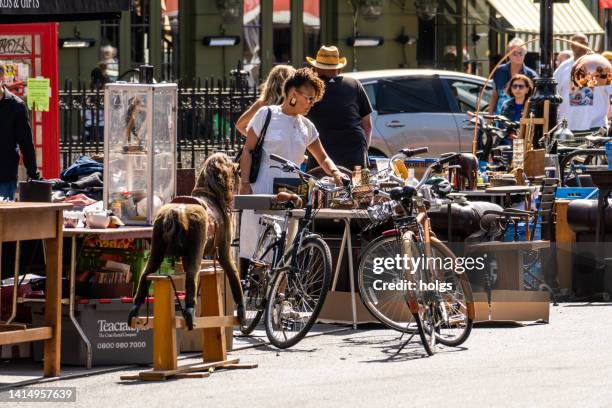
191 231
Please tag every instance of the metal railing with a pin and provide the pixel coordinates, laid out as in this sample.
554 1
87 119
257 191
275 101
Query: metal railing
206 117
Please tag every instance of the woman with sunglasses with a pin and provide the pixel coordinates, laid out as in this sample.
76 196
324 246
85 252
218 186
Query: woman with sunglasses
289 135
519 89
505 72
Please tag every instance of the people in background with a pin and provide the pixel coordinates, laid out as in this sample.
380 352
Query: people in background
99 76
108 55
289 135
505 72
342 117
520 88
586 109
563 56
271 94
15 137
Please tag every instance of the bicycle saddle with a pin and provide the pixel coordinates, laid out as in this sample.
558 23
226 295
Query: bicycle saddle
399 193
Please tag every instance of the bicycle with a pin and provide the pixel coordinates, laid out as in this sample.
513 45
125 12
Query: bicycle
436 315
287 286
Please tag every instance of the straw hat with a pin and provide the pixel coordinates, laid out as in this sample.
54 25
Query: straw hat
327 58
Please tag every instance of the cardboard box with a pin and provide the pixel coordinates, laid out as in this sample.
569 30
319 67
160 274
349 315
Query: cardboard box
337 309
513 305
113 342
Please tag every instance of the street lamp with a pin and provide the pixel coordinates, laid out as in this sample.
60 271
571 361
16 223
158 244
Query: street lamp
545 85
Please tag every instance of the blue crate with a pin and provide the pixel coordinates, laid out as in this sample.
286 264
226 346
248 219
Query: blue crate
575 193
420 162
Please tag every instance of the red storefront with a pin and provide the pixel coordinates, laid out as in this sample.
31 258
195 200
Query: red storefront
31 50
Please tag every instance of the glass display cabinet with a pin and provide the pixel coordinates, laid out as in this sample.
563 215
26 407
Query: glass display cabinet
139 149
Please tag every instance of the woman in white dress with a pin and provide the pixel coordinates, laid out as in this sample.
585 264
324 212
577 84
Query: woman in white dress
289 134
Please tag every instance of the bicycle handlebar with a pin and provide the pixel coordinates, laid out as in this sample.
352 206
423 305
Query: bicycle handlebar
289 166
414 152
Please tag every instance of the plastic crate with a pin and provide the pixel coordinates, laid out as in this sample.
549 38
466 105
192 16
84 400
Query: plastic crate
575 193
419 162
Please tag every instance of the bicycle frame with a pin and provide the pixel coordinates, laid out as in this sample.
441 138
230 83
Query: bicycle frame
281 258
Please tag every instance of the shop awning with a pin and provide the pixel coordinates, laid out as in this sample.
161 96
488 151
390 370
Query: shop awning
28 11
523 16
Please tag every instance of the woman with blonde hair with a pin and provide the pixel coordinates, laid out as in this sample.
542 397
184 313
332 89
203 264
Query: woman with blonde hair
271 94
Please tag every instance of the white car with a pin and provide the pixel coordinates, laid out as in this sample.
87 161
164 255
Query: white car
421 107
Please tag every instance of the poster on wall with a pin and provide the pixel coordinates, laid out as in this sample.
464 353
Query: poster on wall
24 11
16 55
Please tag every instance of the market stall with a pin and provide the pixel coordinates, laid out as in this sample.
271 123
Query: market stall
27 221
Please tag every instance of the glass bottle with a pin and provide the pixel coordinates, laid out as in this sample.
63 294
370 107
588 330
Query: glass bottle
357 176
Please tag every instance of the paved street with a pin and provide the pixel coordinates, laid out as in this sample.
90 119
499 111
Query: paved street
564 364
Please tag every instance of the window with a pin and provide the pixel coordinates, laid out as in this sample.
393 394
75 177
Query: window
140 23
370 89
281 31
170 39
312 28
411 95
251 52
467 94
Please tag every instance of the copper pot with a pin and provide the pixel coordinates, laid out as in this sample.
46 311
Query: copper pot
591 70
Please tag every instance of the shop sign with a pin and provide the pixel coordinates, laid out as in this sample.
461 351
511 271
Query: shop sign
59 10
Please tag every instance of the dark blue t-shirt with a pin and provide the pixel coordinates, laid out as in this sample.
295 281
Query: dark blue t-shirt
501 79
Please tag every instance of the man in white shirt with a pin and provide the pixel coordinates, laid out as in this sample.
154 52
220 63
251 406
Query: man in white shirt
585 108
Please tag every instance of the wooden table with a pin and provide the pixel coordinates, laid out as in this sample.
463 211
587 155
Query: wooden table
106 234
28 221
509 191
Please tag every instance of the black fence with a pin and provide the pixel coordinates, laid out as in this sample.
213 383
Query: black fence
206 117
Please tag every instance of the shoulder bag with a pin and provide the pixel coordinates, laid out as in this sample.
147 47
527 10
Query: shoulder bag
257 152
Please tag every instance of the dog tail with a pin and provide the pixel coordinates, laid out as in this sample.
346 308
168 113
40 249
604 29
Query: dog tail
176 226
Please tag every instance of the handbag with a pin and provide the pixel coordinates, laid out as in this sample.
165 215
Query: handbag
257 152
35 191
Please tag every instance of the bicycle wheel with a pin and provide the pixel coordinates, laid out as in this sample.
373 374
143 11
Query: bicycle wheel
254 287
388 306
255 282
425 323
454 305
421 300
297 295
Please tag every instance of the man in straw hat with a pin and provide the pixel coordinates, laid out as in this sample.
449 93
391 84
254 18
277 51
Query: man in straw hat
342 117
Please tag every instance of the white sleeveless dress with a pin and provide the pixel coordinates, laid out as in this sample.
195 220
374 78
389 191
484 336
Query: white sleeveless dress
288 137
